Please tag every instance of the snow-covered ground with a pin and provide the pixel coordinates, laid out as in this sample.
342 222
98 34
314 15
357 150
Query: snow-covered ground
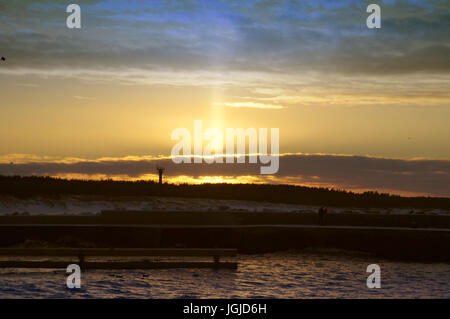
86 205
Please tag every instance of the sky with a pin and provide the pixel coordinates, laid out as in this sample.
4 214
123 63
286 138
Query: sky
357 108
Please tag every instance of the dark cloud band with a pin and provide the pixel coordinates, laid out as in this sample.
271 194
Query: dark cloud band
348 172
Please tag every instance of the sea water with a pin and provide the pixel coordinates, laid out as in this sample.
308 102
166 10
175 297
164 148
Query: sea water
314 274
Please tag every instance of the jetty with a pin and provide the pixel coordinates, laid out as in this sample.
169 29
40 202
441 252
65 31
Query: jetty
83 253
417 237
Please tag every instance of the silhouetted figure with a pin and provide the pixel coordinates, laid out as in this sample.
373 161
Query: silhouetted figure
3 58
322 213
412 219
160 172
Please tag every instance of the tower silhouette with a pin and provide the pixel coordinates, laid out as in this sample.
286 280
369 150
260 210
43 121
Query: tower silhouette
160 172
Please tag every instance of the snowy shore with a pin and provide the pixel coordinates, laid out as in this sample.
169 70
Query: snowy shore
92 205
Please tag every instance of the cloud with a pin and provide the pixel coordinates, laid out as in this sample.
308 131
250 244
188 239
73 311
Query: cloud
314 52
253 105
264 36
417 176
80 97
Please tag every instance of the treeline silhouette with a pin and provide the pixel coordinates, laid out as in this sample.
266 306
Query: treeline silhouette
26 187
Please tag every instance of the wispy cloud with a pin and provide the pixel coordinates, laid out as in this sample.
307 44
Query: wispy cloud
315 52
253 105
80 97
285 36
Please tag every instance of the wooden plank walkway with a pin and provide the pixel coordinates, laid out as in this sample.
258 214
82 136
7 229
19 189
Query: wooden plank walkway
81 253
163 252
119 264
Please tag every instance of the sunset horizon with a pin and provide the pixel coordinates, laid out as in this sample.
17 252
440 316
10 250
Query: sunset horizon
135 168
121 84
225 153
